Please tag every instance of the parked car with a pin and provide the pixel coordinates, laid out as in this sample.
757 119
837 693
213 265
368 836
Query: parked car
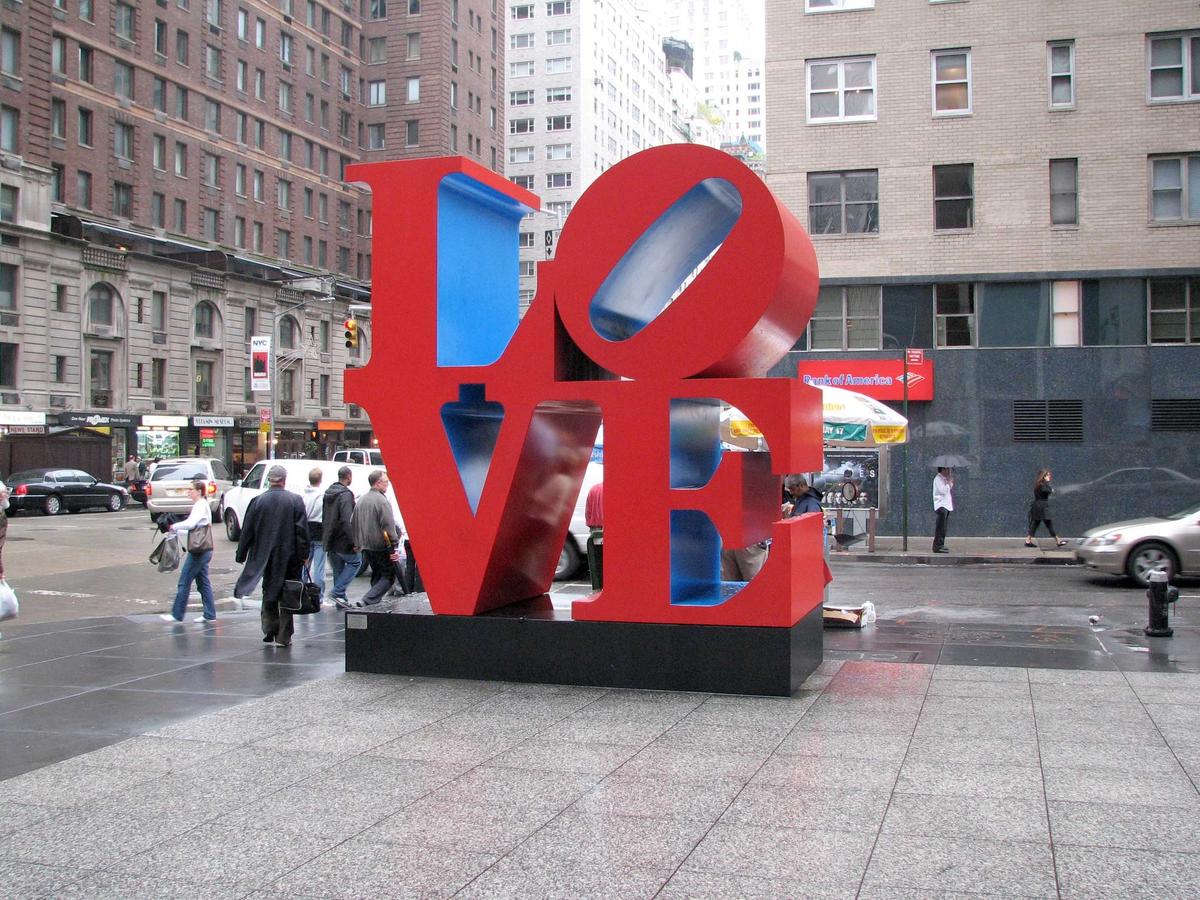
238 497
54 490
168 486
1138 547
363 456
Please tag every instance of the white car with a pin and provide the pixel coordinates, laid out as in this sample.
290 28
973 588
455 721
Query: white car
363 455
238 497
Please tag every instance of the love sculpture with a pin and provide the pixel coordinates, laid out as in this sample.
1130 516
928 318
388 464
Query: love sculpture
487 421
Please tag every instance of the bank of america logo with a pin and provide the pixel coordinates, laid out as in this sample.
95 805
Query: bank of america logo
912 378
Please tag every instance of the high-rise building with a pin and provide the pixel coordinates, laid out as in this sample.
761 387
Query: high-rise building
173 183
727 36
586 86
1015 190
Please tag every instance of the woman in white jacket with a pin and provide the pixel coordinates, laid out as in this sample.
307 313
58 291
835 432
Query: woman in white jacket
195 563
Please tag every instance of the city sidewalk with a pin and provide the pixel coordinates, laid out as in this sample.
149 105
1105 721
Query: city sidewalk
876 781
963 551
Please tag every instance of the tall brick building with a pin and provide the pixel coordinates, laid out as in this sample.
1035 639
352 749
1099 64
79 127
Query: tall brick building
172 183
1014 188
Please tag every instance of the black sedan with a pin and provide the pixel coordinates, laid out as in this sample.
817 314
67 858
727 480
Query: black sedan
54 490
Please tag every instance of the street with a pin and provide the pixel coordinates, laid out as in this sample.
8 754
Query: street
95 564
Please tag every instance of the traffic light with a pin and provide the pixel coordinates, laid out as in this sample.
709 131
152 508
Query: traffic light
351 325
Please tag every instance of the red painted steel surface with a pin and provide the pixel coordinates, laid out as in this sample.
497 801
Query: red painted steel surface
716 340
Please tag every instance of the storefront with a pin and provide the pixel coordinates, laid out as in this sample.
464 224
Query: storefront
120 428
248 443
210 436
159 437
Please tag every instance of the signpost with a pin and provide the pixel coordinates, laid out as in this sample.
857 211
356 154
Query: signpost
912 357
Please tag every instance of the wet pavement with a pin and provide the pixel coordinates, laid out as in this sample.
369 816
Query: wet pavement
980 739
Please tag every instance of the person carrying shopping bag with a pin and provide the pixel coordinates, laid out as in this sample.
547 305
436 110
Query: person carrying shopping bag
196 531
1039 509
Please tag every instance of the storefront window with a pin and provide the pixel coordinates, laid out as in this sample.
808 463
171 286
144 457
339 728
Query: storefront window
1174 310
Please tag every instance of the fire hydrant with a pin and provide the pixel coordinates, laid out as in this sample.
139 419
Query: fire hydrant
1160 595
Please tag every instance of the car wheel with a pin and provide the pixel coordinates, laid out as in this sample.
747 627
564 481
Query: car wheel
52 505
232 529
115 503
569 561
1151 557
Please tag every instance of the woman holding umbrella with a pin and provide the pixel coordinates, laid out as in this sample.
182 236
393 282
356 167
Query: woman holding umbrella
1039 511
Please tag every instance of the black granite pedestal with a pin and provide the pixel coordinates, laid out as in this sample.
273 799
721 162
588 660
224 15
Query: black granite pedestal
533 642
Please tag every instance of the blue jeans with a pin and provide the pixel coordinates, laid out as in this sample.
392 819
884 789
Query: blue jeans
195 568
316 567
345 567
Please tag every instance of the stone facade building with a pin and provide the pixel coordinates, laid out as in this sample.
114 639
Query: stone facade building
1015 189
172 183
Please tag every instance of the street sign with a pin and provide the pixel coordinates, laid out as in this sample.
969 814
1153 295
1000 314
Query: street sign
264 414
264 427
914 357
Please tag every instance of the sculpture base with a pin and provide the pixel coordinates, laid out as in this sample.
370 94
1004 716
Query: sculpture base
533 642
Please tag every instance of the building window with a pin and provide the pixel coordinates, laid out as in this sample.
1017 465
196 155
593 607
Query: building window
522 11
560 65
158 311
951 82
520 69
377 9
8 287
289 333
818 6
83 189
100 305
123 16
954 196
521 41
1064 191
560 37
10 198
122 200
558 151
180 216
846 318
525 239
123 140
10 52
1174 66
520 126
283 243
85 127
954 315
8 365
204 323
412 89
843 202
86 72
1174 310
520 98
841 90
10 128
210 223
377 50
1175 188
158 378
181 47
558 180
123 80
412 133
376 137
212 62
1062 74
558 123
558 8
558 94
181 164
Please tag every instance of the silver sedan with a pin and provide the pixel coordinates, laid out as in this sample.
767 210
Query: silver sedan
1140 546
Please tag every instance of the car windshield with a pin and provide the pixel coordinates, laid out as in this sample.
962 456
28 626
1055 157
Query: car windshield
1185 513
181 471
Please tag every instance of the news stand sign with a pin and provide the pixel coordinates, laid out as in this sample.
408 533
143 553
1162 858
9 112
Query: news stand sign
260 363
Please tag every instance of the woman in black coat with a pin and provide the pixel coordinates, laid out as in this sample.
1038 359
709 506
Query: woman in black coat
1039 511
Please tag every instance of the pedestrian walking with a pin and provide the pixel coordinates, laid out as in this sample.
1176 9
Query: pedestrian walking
3 524
338 535
1039 510
132 469
314 510
943 505
196 531
593 517
376 535
273 546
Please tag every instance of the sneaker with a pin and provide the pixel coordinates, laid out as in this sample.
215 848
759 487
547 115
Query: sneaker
167 617
1062 543
204 619
341 603
941 550
282 644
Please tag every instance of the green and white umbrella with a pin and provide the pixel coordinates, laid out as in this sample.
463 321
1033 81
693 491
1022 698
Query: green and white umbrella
850 419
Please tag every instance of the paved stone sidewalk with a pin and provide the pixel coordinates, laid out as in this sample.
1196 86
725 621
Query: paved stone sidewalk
878 780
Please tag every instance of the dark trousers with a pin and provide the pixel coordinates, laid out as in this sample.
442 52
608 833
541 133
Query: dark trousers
595 557
1034 523
939 530
383 575
277 622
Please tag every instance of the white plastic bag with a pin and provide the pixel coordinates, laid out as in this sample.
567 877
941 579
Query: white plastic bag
9 607
868 616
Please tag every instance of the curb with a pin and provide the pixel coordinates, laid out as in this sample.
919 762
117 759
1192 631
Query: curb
959 559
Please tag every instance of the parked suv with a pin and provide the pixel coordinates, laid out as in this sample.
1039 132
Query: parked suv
363 456
166 491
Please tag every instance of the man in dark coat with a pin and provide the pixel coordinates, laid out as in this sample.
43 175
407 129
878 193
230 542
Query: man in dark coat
338 535
273 545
